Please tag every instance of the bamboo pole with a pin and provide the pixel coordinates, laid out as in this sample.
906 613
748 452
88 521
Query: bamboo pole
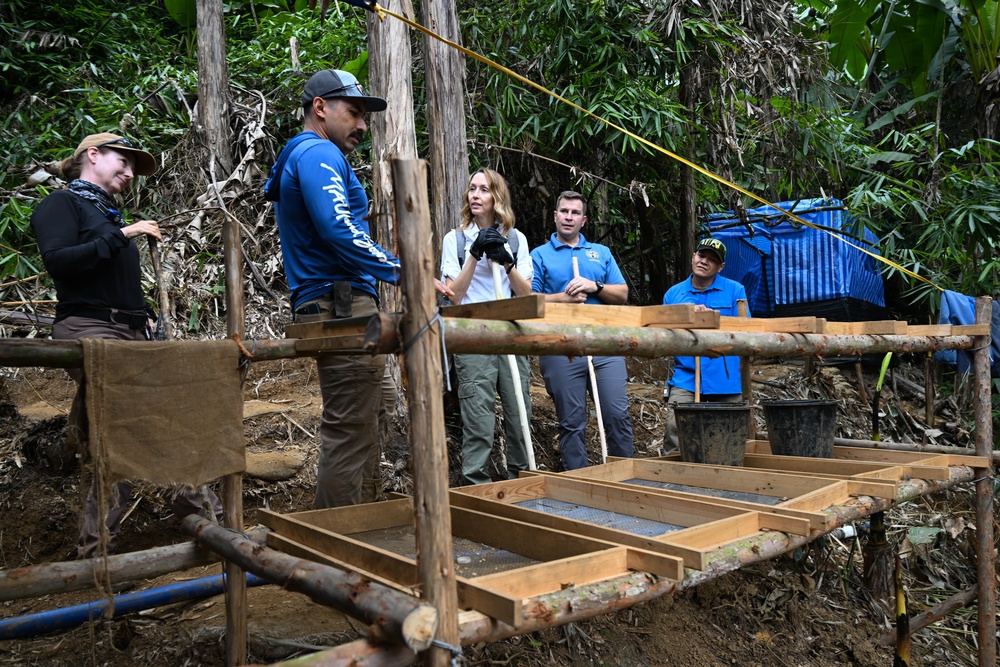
467 336
77 575
593 387
933 615
985 553
515 376
743 310
232 485
904 447
928 393
432 518
392 615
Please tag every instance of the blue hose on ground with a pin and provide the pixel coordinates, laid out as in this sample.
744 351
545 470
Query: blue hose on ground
71 617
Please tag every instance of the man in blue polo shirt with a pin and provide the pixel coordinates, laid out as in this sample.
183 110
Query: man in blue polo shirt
567 380
720 376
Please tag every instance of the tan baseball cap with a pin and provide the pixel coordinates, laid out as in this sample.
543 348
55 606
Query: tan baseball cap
145 164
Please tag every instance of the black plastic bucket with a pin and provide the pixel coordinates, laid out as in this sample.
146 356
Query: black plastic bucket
801 427
714 433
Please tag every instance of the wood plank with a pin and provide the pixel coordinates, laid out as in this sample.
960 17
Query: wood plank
879 328
962 460
379 562
769 324
526 539
679 313
929 330
815 520
517 308
332 327
726 478
659 564
635 501
293 548
970 330
878 455
509 491
350 519
705 319
710 536
691 557
495 604
812 466
543 578
821 499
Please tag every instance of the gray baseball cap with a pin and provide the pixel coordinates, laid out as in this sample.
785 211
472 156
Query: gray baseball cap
334 83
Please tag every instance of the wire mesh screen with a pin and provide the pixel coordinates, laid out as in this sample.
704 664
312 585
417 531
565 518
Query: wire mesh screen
472 559
625 522
706 491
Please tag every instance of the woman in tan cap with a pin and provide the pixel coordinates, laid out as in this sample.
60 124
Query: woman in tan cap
92 256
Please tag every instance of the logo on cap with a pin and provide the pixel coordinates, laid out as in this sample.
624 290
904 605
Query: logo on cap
715 245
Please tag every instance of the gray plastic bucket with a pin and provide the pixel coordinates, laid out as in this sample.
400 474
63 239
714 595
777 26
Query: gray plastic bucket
801 427
714 433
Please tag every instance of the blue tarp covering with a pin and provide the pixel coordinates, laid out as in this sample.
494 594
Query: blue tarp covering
784 265
961 309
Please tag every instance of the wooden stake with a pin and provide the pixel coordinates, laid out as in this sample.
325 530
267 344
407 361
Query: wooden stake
593 386
985 553
232 485
743 310
435 563
928 393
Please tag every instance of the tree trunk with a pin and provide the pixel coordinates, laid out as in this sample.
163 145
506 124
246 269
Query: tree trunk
444 69
393 132
689 203
213 87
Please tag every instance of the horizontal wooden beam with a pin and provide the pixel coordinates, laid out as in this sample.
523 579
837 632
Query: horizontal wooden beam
465 336
77 575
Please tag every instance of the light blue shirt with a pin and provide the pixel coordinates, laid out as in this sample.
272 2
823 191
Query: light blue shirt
552 266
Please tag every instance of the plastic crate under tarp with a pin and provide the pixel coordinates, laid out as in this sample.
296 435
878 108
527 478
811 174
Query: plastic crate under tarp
789 269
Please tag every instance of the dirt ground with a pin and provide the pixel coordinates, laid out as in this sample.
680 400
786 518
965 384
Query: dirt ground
806 608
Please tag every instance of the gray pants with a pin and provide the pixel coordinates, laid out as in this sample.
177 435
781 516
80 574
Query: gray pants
351 386
678 395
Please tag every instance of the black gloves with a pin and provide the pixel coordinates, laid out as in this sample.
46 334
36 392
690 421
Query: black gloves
500 255
488 238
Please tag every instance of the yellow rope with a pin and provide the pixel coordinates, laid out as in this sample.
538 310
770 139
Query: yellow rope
383 12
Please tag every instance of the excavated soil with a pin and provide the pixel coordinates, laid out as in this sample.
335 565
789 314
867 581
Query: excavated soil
806 608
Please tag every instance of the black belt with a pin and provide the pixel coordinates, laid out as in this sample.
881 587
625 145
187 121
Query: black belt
314 308
134 319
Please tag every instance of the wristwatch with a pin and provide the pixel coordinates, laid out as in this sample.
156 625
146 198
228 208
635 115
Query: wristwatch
600 286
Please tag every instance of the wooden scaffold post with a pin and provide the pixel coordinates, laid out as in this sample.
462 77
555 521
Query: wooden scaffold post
421 337
985 558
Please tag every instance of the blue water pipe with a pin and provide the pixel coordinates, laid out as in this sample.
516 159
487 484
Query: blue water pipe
65 618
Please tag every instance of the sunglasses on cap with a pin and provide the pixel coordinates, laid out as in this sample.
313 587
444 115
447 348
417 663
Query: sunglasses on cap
342 89
127 143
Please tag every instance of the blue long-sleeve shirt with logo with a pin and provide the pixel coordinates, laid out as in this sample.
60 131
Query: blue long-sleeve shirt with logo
323 224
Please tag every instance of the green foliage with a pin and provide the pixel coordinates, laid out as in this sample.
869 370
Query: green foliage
938 213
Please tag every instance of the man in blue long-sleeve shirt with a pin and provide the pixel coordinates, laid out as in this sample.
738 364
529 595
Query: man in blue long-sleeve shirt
720 376
332 263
